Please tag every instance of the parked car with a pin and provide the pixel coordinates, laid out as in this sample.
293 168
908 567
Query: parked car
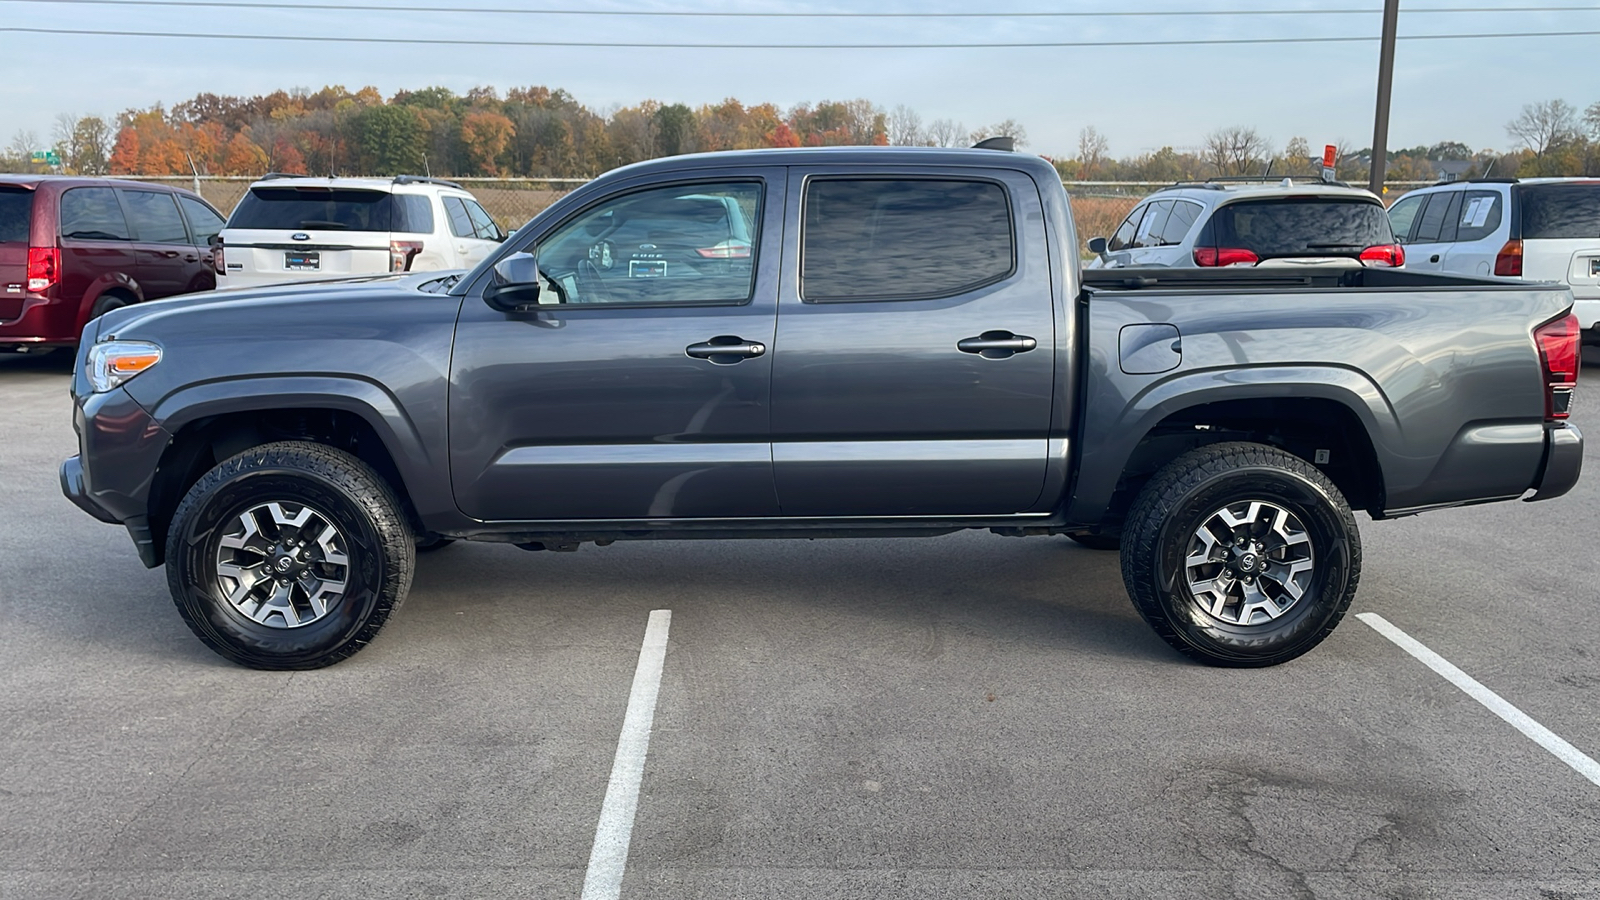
294 228
74 248
911 350
1218 223
1538 229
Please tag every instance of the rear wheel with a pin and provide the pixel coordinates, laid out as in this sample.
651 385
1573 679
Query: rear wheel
106 303
1241 555
289 556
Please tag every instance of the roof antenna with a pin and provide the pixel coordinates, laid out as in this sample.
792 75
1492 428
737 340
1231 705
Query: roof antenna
999 142
426 169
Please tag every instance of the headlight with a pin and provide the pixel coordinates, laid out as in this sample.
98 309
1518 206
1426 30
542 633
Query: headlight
114 362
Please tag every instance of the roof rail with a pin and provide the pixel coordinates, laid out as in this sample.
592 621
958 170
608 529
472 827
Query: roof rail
425 179
998 142
273 176
1221 182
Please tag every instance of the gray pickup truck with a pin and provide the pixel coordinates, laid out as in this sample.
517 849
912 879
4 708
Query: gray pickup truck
813 343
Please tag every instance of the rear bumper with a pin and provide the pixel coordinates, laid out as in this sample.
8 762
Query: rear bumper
42 321
1563 461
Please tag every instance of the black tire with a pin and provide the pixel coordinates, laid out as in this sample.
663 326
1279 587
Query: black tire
1190 492
106 303
427 543
341 491
1098 541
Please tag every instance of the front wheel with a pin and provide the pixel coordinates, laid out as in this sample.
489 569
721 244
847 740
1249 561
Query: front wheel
1241 554
289 556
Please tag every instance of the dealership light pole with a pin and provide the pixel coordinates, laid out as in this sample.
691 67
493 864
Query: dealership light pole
1380 128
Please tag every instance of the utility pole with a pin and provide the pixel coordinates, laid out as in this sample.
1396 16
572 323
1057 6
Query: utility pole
1380 128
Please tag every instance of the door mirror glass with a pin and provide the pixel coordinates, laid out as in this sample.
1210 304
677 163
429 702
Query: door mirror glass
1097 246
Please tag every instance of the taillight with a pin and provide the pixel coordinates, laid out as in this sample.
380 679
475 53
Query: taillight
1558 341
1224 256
217 264
1508 261
44 268
1392 255
726 250
401 253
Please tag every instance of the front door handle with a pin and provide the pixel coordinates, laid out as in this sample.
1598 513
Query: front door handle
726 349
996 344
1433 258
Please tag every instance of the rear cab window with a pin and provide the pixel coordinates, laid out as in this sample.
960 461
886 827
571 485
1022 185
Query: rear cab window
861 236
1560 211
1299 226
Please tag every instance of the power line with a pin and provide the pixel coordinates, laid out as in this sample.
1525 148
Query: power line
661 45
1171 13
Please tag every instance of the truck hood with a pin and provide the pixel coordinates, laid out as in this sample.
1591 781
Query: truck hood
223 305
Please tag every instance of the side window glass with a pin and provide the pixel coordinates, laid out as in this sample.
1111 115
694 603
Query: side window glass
1184 214
93 214
203 221
1447 231
686 244
1432 219
865 239
1403 214
460 222
483 225
415 214
1155 222
1479 216
1124 236
155 217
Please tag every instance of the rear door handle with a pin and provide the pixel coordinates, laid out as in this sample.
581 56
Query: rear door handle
1433 258
996 344
726 349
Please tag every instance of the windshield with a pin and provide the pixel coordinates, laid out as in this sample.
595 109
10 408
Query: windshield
1300 226
314 208
1555 211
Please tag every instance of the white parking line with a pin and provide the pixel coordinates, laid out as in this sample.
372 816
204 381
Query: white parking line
609 856
1544 737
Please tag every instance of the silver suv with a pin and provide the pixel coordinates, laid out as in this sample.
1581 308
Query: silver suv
1228 223
1539 229
296 228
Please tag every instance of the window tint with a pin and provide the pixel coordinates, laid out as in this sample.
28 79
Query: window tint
1479 216
483 225
1299 227
880 239
1561 210
1184 214
1155 221
16 215
1124 236
312 208
1432 219
155 217
1403 214
203 220
413 213
92 214
684 244
460 221
1447 231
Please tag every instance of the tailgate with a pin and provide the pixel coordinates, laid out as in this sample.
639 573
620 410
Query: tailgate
263 256
13 278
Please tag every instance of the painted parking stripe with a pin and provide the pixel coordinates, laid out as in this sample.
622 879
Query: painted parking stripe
1544 737
609 856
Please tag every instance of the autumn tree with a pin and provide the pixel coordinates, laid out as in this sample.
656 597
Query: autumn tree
389 140
485 135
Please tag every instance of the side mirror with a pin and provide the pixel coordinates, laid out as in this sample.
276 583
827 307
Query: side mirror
1097 246
514 284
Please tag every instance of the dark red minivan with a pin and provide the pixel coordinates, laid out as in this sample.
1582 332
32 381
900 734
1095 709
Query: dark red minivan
72 248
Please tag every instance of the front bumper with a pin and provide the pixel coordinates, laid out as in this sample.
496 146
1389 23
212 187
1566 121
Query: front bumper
119 450
1563 461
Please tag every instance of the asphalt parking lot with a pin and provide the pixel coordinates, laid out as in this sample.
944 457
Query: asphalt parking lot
966 716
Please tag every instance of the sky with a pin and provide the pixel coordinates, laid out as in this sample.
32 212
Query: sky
1141 98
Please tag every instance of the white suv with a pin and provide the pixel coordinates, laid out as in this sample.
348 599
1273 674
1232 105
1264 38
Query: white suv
1233 223
1540 229
295 228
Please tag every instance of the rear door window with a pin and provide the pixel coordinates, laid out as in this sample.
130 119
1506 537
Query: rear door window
16 215
203 220
1479 216
1561 211
313 208
460 221
155 217
1301 226
867 239
483 225
1431 222
93 214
